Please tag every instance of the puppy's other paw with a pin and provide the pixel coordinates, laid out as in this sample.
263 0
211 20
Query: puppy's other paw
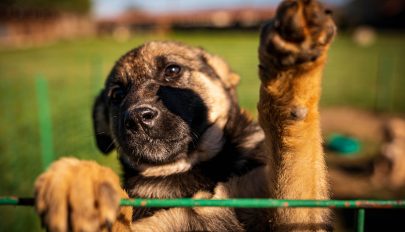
299 33
74 195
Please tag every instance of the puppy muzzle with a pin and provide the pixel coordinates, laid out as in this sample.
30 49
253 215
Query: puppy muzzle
144 116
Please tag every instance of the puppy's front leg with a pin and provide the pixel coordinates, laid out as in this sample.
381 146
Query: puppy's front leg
292 55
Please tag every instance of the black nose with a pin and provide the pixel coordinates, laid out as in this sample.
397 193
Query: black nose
144 115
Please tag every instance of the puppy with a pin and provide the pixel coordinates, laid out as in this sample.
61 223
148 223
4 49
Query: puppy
171 112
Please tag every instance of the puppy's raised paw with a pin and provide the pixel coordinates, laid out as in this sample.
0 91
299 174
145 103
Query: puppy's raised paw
299 33
74 195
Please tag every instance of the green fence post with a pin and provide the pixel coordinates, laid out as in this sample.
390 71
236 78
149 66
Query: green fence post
45 122
384 86
96 74
361 215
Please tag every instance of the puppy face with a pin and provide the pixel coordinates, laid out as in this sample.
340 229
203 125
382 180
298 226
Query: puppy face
159 100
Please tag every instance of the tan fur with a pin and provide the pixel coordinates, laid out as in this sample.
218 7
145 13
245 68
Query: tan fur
228 77
293 164
297 150
299 169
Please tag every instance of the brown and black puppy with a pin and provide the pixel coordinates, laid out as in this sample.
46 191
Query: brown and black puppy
171 111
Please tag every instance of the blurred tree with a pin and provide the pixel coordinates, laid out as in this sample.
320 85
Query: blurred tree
74 6
378 13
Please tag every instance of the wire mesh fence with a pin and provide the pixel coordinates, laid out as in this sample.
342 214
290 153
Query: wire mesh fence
43 117
73 74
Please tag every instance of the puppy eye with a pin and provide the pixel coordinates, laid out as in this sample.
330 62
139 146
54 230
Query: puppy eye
117 94
172 71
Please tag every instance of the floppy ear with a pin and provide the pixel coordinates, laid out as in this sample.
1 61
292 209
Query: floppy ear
101 125
223 70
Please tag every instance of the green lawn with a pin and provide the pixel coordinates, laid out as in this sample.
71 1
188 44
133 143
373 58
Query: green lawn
370 78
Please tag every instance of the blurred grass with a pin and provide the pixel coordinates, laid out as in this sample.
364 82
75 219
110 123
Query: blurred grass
369 78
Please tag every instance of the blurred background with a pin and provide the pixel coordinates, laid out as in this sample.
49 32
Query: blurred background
55 55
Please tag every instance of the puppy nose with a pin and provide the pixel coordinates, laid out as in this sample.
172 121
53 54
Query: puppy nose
146 115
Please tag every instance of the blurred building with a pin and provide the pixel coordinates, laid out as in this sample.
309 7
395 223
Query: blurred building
136 20
28 23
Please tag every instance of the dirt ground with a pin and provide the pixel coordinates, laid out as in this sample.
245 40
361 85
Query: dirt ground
378 169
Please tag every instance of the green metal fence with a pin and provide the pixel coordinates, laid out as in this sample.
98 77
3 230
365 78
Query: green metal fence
361 205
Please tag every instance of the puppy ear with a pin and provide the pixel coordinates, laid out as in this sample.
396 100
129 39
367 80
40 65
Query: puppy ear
223 70
101 125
